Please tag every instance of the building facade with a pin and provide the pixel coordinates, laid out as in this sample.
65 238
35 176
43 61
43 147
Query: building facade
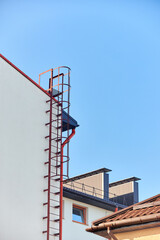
33 158
87 197
32 168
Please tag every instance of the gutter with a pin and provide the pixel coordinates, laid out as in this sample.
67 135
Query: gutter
124 222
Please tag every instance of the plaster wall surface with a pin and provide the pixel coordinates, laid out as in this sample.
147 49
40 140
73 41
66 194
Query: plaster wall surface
145 234
22 156
121 189
76 231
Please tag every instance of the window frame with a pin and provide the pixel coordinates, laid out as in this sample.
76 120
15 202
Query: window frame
84 209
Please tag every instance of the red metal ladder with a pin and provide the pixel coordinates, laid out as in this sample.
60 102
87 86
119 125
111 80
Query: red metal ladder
56 159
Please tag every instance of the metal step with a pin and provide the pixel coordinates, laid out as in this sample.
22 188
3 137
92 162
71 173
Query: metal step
58 166
56 193
58 206
57 220
57 179
56 234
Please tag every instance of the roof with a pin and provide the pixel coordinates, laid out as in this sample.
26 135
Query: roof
101 170
146 211
68 119
132 179
72 122
91 200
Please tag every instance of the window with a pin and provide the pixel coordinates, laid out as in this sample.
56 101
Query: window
79 214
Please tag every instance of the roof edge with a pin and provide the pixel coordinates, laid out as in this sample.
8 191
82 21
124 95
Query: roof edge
126 222
81 196
101 170
25 75
131 179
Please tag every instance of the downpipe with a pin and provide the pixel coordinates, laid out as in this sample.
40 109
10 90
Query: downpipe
61 181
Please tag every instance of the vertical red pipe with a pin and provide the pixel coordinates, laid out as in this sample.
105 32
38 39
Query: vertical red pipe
61 182
116 209
49 157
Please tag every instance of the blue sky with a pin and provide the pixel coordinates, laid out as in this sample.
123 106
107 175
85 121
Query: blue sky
113 49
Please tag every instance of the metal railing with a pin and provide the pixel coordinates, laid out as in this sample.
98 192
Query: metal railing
94 191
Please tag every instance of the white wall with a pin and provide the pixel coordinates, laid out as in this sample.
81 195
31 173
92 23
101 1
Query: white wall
76 231
22 169
22 156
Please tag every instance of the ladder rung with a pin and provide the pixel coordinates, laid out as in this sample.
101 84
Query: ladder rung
58 179
58 127
56 193
47 111
46 149
58 166
54 215
46 162
58 140
45 190
44 232
49 122
58 206
45 203
58 152
58 94
56 234
56 220
45 176
45 217
54 200
58 115
47 136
